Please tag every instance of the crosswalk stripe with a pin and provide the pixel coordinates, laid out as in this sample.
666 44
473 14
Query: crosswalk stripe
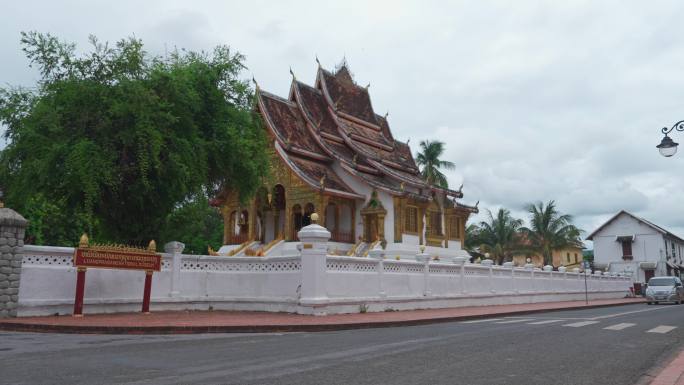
482 320
619 326
580 324
545 322
662 329
512 321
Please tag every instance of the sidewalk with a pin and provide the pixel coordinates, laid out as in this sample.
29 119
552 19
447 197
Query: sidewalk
673 373
181 322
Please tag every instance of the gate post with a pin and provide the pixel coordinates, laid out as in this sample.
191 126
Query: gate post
12 227
314 296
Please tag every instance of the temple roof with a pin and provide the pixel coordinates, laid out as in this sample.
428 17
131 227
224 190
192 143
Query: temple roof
335 121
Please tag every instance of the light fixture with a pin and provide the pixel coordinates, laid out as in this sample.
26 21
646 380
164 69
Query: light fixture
667 146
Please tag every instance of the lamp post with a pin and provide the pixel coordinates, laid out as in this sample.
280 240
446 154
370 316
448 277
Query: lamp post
667 146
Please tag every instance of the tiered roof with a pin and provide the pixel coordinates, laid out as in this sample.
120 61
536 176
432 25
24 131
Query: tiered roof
334 120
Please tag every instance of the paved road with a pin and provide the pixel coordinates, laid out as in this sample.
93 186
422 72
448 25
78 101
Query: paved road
617 345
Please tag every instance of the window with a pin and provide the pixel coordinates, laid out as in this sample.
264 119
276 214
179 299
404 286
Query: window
454 227
411 219
576 260
567 256
435 223
626 249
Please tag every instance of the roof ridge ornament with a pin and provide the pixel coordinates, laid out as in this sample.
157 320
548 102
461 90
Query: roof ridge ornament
255 82
317 61
292 73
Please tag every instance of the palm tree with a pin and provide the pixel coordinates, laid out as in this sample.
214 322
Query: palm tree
500 236
429 160
550 230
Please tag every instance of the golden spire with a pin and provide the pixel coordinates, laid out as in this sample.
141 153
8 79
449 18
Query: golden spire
83 242
314 218
152 246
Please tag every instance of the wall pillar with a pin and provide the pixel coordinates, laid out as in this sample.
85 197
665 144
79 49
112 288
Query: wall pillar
175 249
379 254
314 297
12 228
425 259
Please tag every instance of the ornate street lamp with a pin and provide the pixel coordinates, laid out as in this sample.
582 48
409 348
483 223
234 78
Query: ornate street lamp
667 146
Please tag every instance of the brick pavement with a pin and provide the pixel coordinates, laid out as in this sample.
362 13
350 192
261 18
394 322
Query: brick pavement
673 373
171 322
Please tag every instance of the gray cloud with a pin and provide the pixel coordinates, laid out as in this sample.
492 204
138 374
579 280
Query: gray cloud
535 100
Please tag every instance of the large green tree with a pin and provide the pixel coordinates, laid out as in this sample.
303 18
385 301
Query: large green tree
115 139
550 230
429 159
499 236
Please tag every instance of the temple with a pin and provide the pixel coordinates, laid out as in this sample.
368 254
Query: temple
333 155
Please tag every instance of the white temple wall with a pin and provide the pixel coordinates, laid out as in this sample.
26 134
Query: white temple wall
276 283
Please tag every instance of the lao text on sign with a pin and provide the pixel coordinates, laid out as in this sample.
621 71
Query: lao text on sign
89 257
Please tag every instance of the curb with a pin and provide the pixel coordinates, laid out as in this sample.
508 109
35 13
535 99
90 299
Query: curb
202 329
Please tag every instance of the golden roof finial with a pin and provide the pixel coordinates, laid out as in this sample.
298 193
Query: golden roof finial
83 242
152 246
314 218
322 182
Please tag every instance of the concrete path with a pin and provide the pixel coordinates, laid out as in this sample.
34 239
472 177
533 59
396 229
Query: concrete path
225 322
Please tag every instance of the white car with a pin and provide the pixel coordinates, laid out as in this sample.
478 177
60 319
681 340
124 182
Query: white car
665 289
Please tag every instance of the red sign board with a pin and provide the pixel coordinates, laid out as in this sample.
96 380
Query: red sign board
86 257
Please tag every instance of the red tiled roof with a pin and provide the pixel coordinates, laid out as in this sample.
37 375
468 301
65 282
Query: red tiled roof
347 97
335 119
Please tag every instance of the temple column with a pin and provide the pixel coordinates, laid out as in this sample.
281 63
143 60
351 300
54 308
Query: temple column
252 218
288 224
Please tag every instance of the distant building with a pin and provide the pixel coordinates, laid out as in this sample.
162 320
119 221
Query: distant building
568 257
630 244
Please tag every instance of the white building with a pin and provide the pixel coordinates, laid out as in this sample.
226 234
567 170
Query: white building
630 244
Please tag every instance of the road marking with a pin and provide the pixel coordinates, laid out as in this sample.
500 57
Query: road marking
632 312
619 326
580 324
662 329
512 321
481 320
546 322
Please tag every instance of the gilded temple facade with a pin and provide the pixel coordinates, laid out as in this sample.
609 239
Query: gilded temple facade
333 155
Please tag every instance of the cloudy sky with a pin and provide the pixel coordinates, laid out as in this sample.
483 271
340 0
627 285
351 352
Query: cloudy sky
535 100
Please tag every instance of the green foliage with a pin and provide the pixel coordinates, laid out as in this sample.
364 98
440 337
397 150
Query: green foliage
499 236
195 223
49 223
115 140
429 160
550 230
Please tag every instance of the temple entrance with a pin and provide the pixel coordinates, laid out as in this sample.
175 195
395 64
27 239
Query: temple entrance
301 218
338 220
371 231
373 216
238 227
